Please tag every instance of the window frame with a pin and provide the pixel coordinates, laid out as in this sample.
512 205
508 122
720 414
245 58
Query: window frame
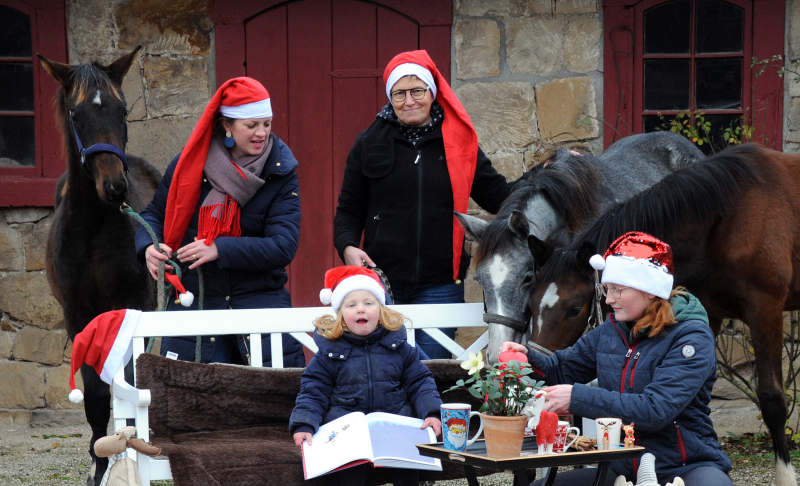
623 46
35 186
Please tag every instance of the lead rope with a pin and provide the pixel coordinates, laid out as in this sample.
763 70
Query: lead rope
597 310
164 289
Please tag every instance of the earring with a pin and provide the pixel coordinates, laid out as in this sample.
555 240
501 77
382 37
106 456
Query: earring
228 140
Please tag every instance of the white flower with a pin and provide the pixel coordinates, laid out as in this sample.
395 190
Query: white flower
474 363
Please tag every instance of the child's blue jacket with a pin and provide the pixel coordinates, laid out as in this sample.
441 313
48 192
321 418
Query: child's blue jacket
377 373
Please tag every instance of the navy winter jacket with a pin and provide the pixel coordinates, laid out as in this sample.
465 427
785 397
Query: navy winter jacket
377 373
662 384
250 272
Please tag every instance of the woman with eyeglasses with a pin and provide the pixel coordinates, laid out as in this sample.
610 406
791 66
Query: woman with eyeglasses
405 175
655 362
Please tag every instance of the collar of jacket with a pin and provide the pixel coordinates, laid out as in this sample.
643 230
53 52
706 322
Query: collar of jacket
340 348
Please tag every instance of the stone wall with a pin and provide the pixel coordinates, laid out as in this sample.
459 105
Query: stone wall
791 110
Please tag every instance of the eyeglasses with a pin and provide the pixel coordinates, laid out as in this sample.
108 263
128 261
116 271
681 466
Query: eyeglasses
416 93
615 291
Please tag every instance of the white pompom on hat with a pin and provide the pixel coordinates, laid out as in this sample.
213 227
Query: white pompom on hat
104 344
185 298
340 281
637 260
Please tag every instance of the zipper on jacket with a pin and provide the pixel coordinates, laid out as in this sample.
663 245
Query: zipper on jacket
377 218
419 212
625 368
680 442
369 376
633 370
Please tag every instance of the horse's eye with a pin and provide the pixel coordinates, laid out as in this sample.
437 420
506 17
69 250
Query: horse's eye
575 311
527 280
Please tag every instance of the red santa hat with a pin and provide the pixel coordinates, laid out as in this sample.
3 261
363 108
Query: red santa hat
460 139
340 281
185 298
640 261
238 98
105 345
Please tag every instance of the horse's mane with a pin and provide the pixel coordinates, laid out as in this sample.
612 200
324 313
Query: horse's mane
569 183
696 194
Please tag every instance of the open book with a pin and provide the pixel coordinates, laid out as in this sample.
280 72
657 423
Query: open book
384 439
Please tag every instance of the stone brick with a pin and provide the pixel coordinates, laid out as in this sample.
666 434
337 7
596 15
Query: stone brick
56 393
535 46
510 163
59 418
26 297
40 346
26 215
494 8
36 244
15 420
794 86
12 257
539 7
133 88
794 29
161 139
6 343
793 122
562 106
176 86
582 44
504 114
175 27
477 44
576 6
89 27
23 385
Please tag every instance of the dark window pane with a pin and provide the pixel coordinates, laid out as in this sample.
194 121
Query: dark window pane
15 33
17 141
716 134
653 123
667 28
720 27
719 84
666 84
16 86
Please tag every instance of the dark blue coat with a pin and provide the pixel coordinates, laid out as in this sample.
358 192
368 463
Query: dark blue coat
662 384
251 270
378 373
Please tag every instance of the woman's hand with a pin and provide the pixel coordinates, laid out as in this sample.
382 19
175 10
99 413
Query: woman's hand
508 345
198 252
557 398
435 423
153 256
354 256
299 437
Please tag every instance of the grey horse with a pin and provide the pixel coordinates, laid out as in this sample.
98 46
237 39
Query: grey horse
559 197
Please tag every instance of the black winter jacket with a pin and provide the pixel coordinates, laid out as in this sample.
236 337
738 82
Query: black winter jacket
377 373
399 195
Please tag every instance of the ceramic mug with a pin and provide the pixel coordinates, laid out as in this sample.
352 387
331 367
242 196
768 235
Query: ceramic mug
455 426
562 432
608 433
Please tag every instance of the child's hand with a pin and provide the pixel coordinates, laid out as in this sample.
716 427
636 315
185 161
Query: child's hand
508 345
435 423
299 437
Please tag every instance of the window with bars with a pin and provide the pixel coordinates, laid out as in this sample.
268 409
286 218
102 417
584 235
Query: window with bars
17 110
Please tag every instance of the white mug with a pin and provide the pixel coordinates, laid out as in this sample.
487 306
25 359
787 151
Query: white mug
608 433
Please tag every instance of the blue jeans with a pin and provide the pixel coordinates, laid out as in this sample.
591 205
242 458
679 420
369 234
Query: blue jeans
449 293
699 476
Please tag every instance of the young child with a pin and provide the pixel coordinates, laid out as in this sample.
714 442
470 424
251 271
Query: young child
364 363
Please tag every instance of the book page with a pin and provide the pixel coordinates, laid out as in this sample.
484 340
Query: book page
336 443
394 439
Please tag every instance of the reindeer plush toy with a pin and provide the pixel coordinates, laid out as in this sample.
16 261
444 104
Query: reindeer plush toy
122 471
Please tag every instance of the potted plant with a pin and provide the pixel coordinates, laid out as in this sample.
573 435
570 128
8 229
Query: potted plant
505 389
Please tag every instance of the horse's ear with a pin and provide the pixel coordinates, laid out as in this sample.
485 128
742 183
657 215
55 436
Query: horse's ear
586 251
519 225
117 69
60 72
473 226
541 251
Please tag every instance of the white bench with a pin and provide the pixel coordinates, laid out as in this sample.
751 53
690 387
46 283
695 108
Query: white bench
132 403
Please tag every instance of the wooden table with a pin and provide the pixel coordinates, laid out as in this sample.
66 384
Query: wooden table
476 456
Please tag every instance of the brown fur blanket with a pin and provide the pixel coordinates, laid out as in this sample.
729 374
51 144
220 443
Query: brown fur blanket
229 425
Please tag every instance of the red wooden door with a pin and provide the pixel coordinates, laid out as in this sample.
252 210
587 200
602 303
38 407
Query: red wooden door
322 62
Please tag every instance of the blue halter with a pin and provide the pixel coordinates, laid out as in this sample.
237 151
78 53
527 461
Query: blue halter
98 147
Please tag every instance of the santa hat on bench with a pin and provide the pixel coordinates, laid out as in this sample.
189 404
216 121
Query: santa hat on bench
105 345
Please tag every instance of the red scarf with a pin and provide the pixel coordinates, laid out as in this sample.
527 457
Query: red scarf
460 143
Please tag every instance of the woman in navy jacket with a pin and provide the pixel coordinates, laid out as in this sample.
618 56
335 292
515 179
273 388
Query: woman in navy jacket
655 362
229 203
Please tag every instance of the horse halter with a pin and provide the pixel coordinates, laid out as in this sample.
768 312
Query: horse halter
96 148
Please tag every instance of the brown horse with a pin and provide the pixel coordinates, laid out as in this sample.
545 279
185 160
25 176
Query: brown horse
733 221
91 263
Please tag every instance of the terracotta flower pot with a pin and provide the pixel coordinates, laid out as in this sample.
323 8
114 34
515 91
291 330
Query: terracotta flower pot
503 435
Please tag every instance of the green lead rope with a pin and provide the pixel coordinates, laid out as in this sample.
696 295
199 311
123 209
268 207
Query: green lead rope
164 289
